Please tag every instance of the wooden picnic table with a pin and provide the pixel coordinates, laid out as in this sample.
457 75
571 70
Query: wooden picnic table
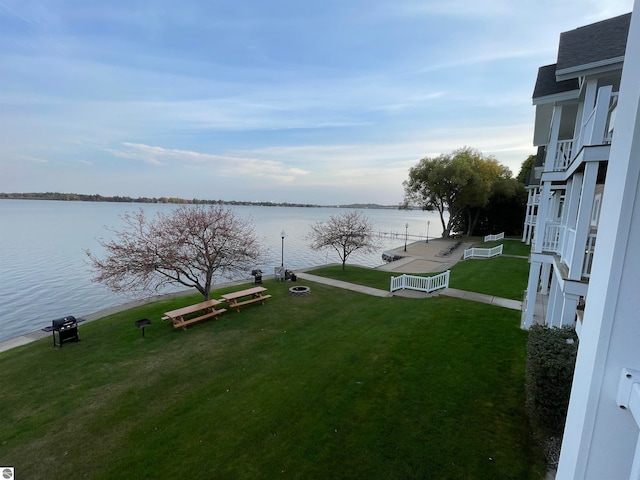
203 310
254 294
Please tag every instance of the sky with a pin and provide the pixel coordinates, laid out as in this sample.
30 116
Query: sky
303 101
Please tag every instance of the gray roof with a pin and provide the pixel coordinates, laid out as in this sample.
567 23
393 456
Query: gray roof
546 83
593 44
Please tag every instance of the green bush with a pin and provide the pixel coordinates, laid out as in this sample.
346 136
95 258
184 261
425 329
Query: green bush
551 358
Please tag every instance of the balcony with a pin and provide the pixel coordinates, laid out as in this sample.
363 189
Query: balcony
551 239
560 240
597 129
563 155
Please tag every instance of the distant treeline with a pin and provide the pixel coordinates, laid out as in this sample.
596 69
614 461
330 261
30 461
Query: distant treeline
79 197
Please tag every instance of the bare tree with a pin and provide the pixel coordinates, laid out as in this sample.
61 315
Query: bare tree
185 247
345 233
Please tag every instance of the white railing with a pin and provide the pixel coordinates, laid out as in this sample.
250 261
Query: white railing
611 120
483 252
588 255
563 156
422 284
569 242
595 129
493 238
551 239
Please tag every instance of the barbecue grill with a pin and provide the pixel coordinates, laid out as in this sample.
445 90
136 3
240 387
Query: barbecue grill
67 330
257 274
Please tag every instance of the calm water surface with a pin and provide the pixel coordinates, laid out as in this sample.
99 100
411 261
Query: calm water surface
44 272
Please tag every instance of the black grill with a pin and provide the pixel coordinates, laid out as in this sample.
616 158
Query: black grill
257 274
66 328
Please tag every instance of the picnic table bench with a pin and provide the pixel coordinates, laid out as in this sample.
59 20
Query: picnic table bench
184 316
234 299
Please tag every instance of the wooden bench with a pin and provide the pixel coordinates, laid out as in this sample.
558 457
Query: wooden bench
182 316
233 299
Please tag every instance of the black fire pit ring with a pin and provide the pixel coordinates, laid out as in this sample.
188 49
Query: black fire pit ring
299 291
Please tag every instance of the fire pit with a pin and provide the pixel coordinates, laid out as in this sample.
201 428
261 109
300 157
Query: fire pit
300 291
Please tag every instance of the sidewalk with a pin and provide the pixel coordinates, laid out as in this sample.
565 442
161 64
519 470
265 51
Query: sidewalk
448 292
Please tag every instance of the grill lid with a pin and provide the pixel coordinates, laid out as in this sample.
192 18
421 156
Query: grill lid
64 322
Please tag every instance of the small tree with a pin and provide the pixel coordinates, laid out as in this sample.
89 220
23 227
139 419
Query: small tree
345 233
185 247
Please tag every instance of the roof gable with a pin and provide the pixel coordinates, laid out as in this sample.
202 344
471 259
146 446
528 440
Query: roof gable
598 44
546 83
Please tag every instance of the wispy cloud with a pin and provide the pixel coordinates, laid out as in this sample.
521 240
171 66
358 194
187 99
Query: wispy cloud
224 165
29 158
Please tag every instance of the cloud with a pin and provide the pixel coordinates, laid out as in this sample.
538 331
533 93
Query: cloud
29 158
224 165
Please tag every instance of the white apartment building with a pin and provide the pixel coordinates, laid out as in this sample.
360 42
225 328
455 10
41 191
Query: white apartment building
584 228
576 102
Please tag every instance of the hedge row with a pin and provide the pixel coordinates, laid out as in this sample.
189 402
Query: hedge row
551 358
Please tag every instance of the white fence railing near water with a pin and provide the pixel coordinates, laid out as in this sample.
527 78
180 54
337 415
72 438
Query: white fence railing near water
483 252
422 284
493 238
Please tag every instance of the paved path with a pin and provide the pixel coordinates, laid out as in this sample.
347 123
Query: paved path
449 292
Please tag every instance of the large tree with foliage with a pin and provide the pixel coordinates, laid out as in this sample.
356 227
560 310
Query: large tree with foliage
345 233
461 183
525 169
188 246
505 210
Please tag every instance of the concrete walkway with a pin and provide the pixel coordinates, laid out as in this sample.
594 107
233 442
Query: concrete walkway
448 292
344 285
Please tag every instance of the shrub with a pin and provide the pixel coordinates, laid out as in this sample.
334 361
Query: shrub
551 358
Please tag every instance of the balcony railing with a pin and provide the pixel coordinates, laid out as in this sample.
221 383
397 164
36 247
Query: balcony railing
561 240
597 129
563 156
611 119
566 255
551 239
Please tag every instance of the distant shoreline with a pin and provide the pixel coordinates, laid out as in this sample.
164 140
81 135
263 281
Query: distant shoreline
80 197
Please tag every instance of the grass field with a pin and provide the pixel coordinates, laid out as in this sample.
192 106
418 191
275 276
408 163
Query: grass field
333 385
502 276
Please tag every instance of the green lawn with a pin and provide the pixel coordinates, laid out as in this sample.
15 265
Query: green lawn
369 277
499 276
511 247
333 385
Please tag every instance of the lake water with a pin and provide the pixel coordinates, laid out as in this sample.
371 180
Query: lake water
44 272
